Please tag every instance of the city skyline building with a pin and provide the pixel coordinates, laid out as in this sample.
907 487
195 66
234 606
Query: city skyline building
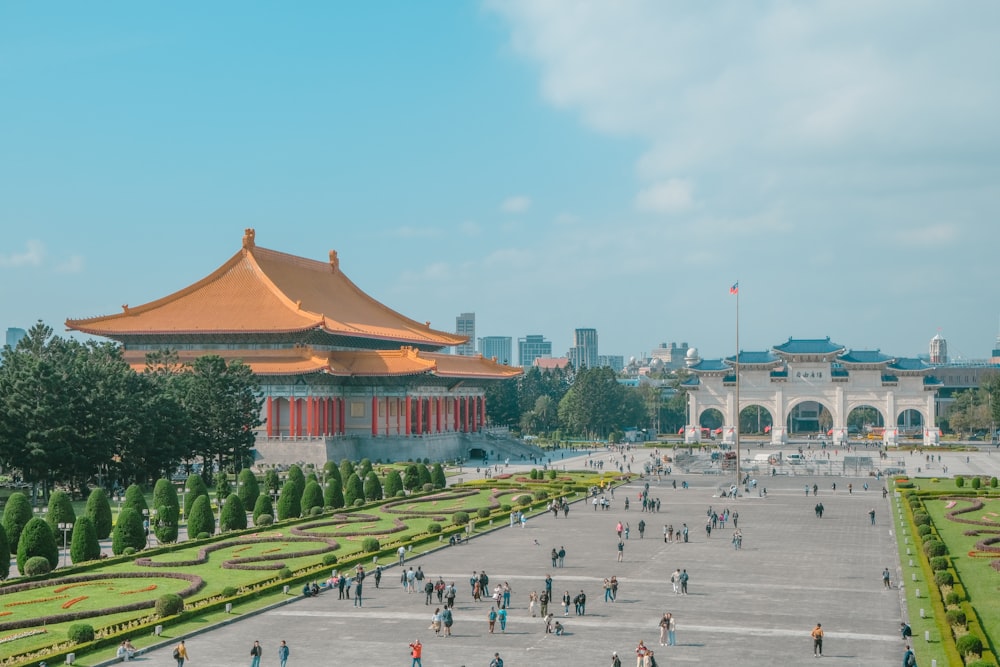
465 325
532 347
583 354
500 348
14 335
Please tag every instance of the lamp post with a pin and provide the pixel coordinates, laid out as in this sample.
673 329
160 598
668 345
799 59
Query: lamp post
65 528
152 523
119 499
145 525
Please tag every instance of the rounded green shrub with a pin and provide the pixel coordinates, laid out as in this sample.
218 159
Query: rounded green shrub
37 540
262 506
79 633
234 515
993 482
959 481
202 536
505 507
921 519
37 565
969 644
60 510
372 487
315 511
944 578
433 528
552 474
952 598
264 520
16 515
84 545
135 498
483 512
956 617
170 604
285 573
168 511
370 545
99 511
311 497
129 551
933 548
359 502
229 591
923 530
460 518
976 482
401 493
329 559
533 474
201 519
427 488
290 500
541 494
195 487
939 563
249 488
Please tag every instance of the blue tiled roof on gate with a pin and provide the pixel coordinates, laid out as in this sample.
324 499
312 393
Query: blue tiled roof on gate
692 381
765 357
809 346
909 364
710 365
865 357
931 381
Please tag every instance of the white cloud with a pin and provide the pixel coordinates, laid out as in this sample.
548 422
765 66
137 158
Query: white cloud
33 255
516 204
669 196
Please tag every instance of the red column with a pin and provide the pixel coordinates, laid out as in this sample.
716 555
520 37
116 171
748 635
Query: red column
437 414
277 417
324 413
420 415
293 417
343 416
454 405
386 415
310 415
409 415
374 416
483 403
399 415
270 421
464 403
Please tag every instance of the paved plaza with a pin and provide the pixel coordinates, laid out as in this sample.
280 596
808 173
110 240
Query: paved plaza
755 606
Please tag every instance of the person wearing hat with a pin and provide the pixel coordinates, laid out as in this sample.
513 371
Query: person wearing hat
615 660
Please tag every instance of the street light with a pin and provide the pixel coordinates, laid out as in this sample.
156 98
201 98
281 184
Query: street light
65 528
153 522
145 525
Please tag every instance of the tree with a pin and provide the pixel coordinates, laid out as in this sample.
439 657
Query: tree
411 477
222 486
424 474
502 403
311 497
297 478
85 545
437 477
372 487
201 519
289 503
99 511
37 539
346 468
333 494
353 490
272 483
136 499
364 468
4 549
595 404
16 515
332 471
128 532
168 511
393 484
234 515
262 506
60 510
196 487
249 488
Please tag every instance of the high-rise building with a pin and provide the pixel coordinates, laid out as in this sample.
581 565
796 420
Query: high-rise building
532 347
583 354
14 335
615 362
939 350
671 355
465 325
497 347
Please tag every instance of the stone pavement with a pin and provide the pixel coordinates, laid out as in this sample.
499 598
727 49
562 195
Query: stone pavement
756 606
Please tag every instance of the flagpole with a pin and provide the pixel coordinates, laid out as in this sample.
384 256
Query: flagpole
737 438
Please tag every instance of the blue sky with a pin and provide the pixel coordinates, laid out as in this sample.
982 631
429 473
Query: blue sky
548 165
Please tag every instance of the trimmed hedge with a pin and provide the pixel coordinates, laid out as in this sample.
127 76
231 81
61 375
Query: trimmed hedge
944 578
968 644
170 604
956 617
934 548
79 633
37 565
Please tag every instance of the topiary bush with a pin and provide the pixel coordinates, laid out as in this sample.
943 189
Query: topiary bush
201 520
312 497
939 563
552 474
16 515
921 519
533 474
262 506
976 482
433 528
969 644
99 511
264 520
36 565
427 488
956 617
483 512
944 578
952 598
37 540
80 633
923 530
329 559
129 551
201 536
284 573
993 482
84 544
460 518
933 548
359 502
370 545
170 604
541 494
168 511
315 511
959 481
505 507
229 591
249 489
234 515
290 500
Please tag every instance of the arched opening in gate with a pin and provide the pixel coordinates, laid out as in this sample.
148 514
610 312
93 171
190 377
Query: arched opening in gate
712 420
865 420
755 420
809 418
910 423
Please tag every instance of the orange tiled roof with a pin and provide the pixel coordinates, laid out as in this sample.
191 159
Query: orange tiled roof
292 361
265 291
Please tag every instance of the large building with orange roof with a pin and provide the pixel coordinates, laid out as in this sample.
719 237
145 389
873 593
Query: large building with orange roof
342 374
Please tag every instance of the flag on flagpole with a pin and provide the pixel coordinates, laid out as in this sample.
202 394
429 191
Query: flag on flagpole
735 288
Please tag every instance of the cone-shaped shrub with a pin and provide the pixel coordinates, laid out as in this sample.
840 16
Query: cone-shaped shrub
411 478
296 475
332 471
37 539
5 552
271 480
353 490
437 477
346 469
128 532
262 506
195 486
168 511
312 497
60 510
16 515
85 545
249 488
136 499
425 474
201 520
393 484
373 488
289 506
333 494
99 511
234 515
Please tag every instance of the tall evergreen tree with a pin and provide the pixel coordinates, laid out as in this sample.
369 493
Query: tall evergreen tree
60 510
195 487
202 520
128 532
37 540
289 502
311 497
85 545
354 490
372 487
333 494
234 515
262 506
168 511
249 488
393 483
16 515
99 511
437 477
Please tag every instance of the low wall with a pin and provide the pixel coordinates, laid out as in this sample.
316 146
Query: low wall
438 447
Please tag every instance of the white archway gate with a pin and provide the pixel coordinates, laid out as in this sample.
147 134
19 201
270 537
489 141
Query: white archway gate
812 370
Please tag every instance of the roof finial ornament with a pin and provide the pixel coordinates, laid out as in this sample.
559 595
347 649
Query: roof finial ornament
125 308
334 261
248 238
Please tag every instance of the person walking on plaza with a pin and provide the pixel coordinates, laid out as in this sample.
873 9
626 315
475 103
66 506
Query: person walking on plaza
664 624
357 590
566 599
181 654
492 618
817 637
886 578
615 660
641 527
621 550
497 661
871 514
675 581
641 655
543 602
671 630
502 617
416 650
283 654
562 556
909 660
255 653
684 582
401 552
